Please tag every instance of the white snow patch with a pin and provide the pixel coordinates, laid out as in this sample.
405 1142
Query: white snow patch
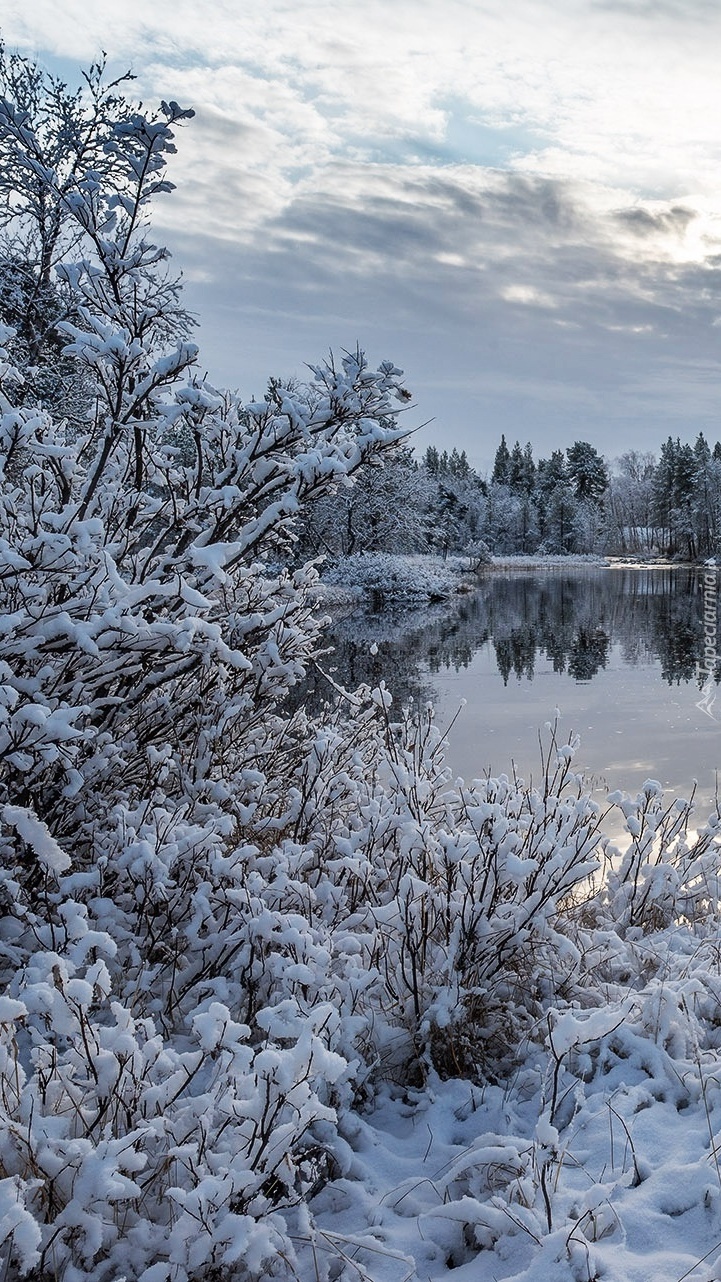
38 837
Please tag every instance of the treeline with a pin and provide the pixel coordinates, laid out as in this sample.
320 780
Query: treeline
572 501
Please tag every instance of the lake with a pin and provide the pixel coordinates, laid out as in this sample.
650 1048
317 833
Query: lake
616 650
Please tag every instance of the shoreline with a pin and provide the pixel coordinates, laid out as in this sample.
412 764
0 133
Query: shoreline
383 578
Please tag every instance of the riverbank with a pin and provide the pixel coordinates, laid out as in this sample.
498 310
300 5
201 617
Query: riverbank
534 561
381 577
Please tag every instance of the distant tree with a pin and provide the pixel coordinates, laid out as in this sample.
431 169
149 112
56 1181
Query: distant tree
675 507
663 495
558 507
529 469
629 504
684 488
587 471
704 502
502 518
458 465
551 472
453 499
522 472
388 509
451 521
431 460
514 469
639 466
501 464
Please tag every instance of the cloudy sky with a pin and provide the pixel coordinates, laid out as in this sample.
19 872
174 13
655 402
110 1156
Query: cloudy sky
518 201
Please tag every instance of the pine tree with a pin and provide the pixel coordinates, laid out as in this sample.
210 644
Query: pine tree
501 464
587 471
557 506
703 504
431 460
516 469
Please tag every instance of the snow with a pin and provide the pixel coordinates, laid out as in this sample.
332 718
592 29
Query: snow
396 578
529 561
446 1183
391 577
33 830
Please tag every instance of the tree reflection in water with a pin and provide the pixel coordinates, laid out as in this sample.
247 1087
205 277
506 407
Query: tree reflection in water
570 618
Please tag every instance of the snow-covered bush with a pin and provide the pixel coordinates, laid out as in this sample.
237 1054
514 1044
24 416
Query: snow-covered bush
383 577
478 554
666 873
163 1090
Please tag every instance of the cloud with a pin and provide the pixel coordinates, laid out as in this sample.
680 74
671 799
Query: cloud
610 87
527 296
513 302
519 201
645 222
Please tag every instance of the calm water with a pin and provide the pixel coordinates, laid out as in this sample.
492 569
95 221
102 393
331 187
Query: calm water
615 650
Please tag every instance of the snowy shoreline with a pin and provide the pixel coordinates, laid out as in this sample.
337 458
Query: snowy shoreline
384 577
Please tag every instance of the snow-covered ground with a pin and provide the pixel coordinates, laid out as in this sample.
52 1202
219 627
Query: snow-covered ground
450 1186
534 561
475 1182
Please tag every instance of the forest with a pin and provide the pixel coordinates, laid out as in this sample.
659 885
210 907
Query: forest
575 501
251 955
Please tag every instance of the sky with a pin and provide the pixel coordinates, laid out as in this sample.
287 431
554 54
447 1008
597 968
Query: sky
518 202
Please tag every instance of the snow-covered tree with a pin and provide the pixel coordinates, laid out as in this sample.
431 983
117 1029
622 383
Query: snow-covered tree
629 502
51 137
385 510
558 506
501 463
587 471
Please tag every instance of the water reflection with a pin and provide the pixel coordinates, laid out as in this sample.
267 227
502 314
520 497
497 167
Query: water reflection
571 619
616 649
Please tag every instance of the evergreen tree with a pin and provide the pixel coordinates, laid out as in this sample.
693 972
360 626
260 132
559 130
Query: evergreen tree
587 471
529 469
458 465
522 470
702 504
431 460
515 469
684 484
662 498
557 506
501 465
